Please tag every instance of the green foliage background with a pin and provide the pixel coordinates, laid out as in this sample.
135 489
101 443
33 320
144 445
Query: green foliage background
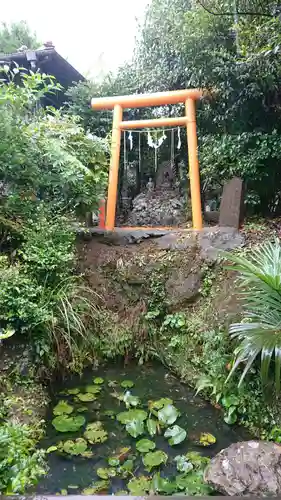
186 43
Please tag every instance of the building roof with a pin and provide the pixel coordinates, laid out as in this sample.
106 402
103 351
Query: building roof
48 61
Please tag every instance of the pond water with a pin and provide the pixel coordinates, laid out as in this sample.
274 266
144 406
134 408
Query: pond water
73 474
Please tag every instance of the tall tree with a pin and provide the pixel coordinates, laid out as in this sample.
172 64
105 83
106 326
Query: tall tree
15 35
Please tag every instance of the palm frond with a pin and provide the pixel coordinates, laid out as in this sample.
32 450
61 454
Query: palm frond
259 333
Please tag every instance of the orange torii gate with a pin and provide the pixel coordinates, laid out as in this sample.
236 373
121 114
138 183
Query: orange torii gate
188 96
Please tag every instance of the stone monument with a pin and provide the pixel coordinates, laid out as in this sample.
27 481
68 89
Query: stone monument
232 204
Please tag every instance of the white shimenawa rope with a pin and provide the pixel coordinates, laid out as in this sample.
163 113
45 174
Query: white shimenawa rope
131 140
179 138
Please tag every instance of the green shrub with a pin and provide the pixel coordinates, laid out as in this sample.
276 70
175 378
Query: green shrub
48 248
20 464
19 297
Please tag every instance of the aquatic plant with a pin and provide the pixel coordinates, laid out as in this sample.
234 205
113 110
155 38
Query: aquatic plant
86 397
62 408
145 445
95 433
127 384
65 423
176 435
168 415
154 458
76 447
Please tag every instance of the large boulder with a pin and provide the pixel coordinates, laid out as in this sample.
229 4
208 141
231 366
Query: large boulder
247 468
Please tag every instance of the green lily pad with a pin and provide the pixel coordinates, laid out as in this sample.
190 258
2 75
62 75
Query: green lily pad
51 449
95 433
73 487
127 384
76 447
93 389
81 409
106 473
130 400
113 461
168 415
98 380
87 454
128 465
73 391
197 460
151 426
96 487
154 459
135 428
109 413
176 435
86 397
183 464
193 484
145 445
126 417
121 493
62 408
162 485
139 485
207 439
157 405
65 423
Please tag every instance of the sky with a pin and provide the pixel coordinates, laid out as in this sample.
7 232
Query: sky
95 36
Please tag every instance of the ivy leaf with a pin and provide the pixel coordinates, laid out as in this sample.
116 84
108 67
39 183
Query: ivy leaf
168 415
176 435
154 458
145 445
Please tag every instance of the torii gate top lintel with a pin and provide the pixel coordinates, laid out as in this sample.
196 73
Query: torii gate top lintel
118 103
146 100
